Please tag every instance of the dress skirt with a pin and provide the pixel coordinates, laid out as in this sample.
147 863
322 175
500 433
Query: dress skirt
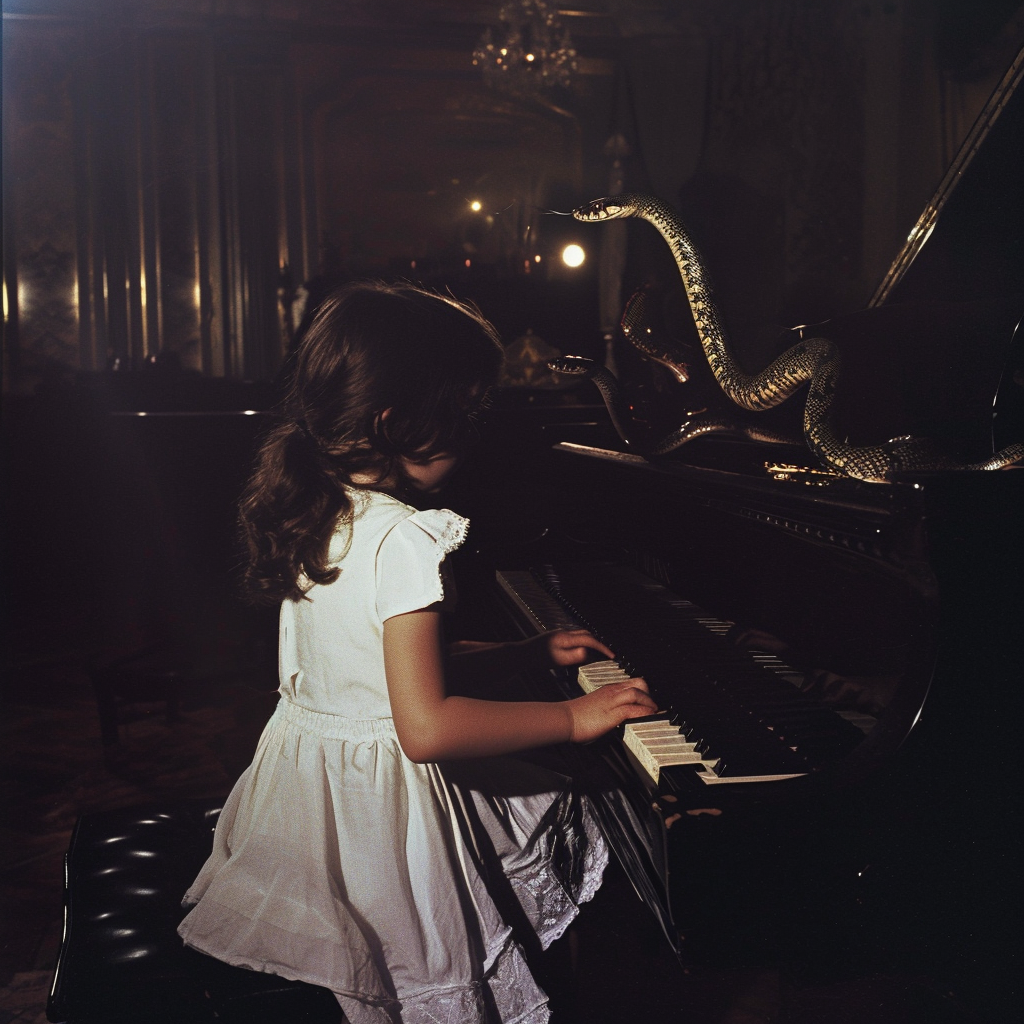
407 889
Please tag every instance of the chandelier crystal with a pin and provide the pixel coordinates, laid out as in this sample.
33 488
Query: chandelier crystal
529 50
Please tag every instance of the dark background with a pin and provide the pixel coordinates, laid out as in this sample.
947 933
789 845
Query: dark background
175 171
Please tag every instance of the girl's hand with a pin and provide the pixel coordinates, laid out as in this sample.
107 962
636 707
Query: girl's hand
565 648
606 707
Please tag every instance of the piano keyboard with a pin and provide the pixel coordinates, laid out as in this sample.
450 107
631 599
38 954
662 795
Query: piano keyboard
655 741
539 608
732 716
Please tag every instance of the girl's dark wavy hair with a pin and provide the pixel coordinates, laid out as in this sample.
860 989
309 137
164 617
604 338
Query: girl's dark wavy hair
386 372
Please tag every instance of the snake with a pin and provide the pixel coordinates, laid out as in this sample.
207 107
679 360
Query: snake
634 327
698 423
814 361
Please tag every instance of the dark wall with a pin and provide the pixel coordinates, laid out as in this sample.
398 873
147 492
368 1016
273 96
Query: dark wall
174 171
173 174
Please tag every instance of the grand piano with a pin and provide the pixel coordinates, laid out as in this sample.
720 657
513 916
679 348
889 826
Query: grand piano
838 661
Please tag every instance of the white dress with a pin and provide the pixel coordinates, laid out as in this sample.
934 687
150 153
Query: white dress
340 862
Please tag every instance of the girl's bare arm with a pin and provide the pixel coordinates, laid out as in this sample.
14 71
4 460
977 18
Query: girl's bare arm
435 726
471 662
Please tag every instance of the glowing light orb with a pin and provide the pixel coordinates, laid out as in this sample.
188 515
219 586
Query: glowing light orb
573 255
475 206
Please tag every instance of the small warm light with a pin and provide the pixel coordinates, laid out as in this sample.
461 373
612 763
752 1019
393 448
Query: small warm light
536 259
469 263
5 301
248 412
475 206
504 51
573 255
412 264
530 57
197 295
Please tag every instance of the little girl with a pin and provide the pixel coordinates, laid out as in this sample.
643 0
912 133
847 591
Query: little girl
345 856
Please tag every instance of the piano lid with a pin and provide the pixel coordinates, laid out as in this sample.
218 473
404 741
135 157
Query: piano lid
969 241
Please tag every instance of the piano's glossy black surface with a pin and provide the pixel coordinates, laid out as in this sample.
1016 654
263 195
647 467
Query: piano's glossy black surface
898 607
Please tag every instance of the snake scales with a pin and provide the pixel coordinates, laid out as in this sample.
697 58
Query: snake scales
813 361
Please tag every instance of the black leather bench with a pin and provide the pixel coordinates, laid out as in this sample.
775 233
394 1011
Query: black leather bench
121 959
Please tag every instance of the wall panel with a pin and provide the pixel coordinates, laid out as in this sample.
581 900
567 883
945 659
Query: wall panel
40 70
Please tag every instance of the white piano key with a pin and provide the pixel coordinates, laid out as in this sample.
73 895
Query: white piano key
600 673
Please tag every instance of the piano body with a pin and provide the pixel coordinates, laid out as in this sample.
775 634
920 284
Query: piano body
839 661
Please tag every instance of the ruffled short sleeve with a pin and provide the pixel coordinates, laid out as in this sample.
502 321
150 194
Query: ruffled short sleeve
409 560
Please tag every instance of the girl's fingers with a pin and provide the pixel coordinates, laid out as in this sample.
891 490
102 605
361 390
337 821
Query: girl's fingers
583 639
591 641
627 684
635 694
638 711
602 709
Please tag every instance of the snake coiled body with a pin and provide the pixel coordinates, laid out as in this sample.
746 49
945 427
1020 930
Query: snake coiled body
697 424
812 361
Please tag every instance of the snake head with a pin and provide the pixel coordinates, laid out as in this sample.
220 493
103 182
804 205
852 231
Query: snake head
634 316
644 338
609 208
572 366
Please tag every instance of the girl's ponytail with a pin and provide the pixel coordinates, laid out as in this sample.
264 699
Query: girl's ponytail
288 514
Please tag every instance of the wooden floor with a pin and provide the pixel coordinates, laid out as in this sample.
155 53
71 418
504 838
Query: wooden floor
612 966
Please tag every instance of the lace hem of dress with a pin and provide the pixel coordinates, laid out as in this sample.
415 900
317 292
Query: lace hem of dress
513 992
594 862
544 897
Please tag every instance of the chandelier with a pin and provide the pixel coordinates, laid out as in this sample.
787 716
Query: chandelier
529 50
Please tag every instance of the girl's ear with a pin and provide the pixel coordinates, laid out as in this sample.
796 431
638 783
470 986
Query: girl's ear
380 417
380 426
